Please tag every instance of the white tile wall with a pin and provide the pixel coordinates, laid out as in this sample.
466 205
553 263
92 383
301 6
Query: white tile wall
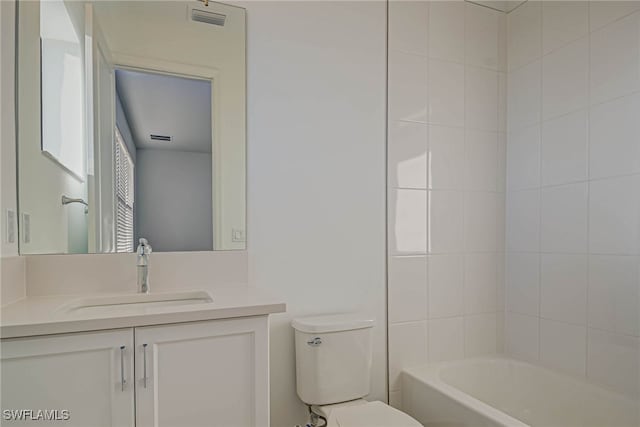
573 202
563 346
523 283
524 95
524 36
523 158
407 221
407 347
562 23
446 27
446 339
563 218
565 149
563 79
614 293
446 158
446 93
563 288
446 215
614 143
614 215
614 59
522 335
446 285
407 293
407 87
407 158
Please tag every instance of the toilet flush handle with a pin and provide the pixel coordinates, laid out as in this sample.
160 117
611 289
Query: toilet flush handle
315 342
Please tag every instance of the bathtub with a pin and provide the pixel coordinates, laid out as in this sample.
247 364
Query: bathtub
504 392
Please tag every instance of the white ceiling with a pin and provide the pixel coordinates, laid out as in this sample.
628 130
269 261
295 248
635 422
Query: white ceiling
166 105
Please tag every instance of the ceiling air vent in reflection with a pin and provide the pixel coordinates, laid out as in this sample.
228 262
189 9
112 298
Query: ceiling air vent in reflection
208 17
160 137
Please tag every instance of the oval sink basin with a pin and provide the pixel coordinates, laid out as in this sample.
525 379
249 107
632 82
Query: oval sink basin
105 304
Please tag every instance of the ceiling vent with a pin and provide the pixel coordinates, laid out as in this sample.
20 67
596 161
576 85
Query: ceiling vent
208 17
160 137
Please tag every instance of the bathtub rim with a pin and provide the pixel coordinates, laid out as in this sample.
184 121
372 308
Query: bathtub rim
430 375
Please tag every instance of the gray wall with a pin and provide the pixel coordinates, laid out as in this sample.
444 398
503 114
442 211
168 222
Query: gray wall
173 207
125 130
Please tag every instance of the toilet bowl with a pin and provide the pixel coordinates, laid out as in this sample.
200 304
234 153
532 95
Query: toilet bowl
333 372
360 413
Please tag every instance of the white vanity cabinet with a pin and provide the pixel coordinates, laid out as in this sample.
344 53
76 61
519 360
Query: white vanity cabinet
205 373
82 373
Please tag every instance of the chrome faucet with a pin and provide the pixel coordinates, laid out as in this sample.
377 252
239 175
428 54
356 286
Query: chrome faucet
143 251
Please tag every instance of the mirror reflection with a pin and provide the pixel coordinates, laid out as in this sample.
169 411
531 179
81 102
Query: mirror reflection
124 132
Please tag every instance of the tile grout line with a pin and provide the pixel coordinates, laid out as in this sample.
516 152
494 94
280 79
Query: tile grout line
588 207
539 189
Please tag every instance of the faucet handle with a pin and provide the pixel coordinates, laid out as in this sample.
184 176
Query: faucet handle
144 248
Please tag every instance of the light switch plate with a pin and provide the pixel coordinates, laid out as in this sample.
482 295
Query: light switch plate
237 235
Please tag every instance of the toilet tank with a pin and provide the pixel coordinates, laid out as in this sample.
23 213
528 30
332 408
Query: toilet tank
333 358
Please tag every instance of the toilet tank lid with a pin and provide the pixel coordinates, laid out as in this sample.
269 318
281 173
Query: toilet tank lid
332 323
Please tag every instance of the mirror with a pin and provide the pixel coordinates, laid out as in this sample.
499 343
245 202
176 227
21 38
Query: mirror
131 124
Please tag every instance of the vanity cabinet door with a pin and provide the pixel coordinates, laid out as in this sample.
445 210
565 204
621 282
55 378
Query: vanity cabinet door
81 373
211 373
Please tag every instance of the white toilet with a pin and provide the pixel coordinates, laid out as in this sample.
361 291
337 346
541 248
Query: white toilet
333 372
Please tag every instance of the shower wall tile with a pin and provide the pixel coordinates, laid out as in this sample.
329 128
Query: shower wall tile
481 37
563 22
524 96
523 283
407 155
615 59
523 221
446 93
407 24
480 283
481 222
481 99
522 336
446 209
614 293
565 148
407 221
563 218
565 79
481 160
613 360
446 30
407 347
614 215
573 204
446 158
407 290
524 35
523 158
480 335
446 285
446 221
614 144
407 87
563 346
446 339
602 13
563 288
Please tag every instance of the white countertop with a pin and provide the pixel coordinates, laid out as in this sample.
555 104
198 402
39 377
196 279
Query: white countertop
43 315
